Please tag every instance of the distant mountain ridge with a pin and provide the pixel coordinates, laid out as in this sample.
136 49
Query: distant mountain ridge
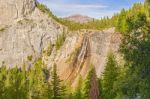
79 18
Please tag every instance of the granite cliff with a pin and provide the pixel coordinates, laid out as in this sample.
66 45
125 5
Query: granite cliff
26 34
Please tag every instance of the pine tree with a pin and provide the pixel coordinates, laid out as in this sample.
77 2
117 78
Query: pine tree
147 7
78 91
109 77
14 86
17 83
121 22
38 85
24 83
58 90
3 73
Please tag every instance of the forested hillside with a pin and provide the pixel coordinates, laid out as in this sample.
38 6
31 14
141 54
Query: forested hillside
129 79
100 24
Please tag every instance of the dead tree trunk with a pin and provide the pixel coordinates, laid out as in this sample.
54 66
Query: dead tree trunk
94 90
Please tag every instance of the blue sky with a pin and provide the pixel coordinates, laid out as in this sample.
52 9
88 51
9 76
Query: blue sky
92 8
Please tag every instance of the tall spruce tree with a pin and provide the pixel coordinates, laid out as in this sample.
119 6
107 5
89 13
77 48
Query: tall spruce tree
58 90
109 77
147 7
135 49
38 82
14 85
78 94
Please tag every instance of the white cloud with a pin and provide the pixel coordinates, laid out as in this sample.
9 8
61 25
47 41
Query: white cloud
94 14
80 6
66 9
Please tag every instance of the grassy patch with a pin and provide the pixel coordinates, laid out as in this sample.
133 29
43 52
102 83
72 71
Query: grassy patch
48 50
72 55
60 41
45 9
20 22
23 21
2 29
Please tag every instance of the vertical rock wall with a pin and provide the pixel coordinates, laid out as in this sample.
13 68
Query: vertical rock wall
14 9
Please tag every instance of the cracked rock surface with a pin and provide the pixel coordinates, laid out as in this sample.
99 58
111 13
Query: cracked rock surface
26 36
13 9
25 33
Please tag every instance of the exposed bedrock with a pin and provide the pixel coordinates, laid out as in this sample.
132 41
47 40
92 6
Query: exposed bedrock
26 34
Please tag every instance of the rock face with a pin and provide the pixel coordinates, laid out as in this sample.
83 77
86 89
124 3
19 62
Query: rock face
83 48
14 9
26 33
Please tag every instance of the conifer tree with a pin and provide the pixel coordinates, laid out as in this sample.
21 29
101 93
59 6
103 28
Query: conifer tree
147 7
14 85
3 73
58 90
38 85
78 91
109 77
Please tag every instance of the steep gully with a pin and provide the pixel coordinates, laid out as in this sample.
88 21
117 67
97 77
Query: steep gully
81 58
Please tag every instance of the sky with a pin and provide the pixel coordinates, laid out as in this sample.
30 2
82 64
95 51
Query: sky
92 8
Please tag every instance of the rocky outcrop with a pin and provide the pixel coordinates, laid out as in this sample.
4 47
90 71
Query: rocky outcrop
23 40
13 9
83 48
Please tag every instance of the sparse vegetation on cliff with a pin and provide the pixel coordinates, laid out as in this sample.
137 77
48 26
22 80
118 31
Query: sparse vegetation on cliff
73 55
95 24
29 58
48 50
2 29
60 41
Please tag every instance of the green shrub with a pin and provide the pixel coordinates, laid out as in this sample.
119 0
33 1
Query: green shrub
24 21
30 58
60 41
48 50
73 55
20 22
45 9
2 29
